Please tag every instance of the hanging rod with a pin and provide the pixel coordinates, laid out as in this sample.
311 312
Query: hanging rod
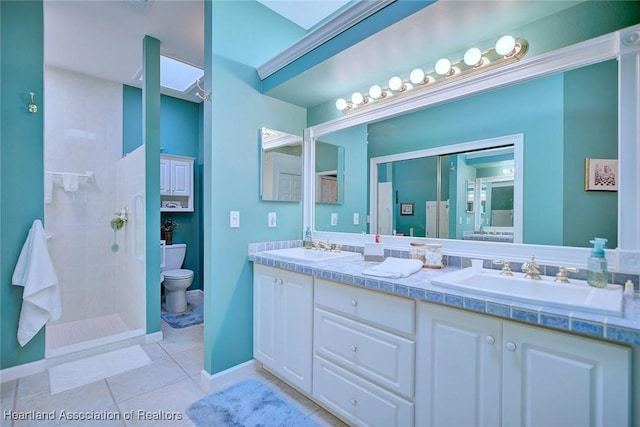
88 174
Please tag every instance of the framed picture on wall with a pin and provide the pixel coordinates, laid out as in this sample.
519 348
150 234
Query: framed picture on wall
406 208
601 175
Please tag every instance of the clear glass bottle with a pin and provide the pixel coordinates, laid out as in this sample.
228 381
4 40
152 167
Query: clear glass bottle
417 251
597 264
433 256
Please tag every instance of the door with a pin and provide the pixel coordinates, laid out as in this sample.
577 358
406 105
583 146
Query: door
458 368
385 208
264 315
180 178
556 379
165 176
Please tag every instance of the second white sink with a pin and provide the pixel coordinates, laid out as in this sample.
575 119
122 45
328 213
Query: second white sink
577 295
311 255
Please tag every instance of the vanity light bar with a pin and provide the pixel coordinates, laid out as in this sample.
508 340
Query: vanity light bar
507 50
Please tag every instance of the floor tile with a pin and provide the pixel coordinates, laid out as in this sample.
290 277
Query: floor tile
142 380
155 351
190 360
33 384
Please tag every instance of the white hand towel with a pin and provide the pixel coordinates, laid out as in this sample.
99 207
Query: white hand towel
70 182
394 268
48 187
41 296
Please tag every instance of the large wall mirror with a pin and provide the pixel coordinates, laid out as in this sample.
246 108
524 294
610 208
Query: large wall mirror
281 166
428 158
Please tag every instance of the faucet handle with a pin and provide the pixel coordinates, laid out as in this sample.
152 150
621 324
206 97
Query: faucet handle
506 269
562 277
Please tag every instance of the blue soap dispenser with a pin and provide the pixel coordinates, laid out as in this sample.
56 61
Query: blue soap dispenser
597 264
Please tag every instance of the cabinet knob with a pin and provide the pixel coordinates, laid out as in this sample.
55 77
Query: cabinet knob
354 401
280 281
354 302
489 339
354 348
511 346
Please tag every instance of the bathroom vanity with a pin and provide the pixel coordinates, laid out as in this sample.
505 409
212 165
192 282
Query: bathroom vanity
403 352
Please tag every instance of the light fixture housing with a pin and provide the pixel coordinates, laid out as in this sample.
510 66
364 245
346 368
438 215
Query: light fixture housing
508 49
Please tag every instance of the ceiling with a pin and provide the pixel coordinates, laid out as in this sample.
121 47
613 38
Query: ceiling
104 38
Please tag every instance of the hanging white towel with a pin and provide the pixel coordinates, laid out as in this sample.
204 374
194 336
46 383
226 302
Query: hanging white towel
394 268
70 182
41 296
48 187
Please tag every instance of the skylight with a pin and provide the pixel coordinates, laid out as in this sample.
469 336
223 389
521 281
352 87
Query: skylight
177 75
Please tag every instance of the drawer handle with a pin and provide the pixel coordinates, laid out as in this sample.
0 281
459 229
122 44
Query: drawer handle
354 302
354 348
489 339
511 346
354 401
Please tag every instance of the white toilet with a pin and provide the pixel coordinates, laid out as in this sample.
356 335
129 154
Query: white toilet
176 279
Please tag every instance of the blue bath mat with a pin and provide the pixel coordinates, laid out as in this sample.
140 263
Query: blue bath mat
248 403
192 316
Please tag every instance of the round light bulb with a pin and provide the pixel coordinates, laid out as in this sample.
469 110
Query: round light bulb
505 45
341 104
395 83
473 57
417 76
443 66
357 98
375 92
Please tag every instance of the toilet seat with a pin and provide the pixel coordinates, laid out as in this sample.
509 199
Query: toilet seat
178 274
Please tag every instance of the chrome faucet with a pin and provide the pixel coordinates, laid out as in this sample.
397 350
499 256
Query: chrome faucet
531 269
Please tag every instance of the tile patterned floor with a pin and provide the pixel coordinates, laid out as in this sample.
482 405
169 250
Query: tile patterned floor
163 389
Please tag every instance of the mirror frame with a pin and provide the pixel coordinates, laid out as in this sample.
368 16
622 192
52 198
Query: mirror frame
516 140
623 45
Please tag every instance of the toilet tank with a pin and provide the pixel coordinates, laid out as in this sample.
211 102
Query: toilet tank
174 256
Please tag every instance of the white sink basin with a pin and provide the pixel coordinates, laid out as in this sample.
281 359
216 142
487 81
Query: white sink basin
311 255
569 296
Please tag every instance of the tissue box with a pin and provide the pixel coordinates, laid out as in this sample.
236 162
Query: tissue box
373 252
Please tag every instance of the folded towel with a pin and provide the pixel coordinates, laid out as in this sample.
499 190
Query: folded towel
394 268
41 296
48 187
70 182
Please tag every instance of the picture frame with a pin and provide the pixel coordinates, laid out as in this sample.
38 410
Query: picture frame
406 208
601 175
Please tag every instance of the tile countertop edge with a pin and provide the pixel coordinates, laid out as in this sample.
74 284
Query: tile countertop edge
624 330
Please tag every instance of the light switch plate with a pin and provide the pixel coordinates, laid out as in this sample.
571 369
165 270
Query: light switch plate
272 219
356 218
334 219
234 219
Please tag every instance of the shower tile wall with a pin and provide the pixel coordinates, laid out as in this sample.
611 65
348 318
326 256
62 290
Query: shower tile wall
83 132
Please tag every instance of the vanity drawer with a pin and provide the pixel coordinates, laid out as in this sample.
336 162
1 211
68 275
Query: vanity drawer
356 400
375 307
380 356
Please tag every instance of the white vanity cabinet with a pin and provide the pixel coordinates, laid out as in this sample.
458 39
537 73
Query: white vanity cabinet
176 183
364 354
283 323
474 369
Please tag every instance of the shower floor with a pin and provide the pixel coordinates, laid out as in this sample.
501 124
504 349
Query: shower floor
72 333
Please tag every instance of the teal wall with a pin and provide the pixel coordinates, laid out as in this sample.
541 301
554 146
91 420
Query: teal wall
414 181
180 134
231 167
21 156
356 178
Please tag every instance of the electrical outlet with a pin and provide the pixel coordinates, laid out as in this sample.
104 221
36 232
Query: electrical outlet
234 219
272 219
334 219
356 218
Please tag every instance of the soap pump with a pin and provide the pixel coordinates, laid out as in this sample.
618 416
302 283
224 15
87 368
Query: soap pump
597 264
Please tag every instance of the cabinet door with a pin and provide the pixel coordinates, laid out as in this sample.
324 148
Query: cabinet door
457 368
557 379
180 178
264 315
165 176
295 303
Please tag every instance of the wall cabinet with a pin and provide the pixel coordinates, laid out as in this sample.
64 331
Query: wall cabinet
176 183
363 362
282 324
477 370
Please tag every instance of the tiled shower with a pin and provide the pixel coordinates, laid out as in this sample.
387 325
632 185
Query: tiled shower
102 290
